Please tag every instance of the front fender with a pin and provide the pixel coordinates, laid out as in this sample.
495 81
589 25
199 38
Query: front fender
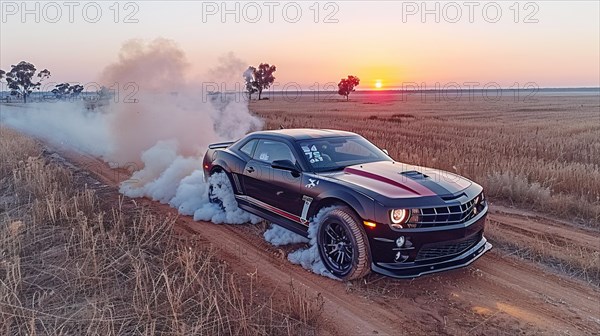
362 204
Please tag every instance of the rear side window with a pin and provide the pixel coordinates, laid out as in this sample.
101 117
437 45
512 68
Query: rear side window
248 148
269 151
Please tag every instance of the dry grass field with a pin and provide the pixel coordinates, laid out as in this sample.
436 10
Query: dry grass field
78 260
541 153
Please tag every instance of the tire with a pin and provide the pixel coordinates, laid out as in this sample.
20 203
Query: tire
212 197
341 237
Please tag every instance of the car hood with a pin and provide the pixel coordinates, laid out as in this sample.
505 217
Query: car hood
400 180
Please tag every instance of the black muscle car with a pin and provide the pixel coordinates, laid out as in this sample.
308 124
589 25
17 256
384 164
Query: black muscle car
386 216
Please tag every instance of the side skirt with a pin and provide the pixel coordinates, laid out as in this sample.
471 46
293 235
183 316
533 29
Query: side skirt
274 218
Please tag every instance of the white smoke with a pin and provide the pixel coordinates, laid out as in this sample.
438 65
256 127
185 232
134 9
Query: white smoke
309 257
166 130
165 127
226 212
191 194
162 172
278 236
184 123
248 75
170 107
62 123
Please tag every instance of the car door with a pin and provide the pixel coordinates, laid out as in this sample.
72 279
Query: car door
279 189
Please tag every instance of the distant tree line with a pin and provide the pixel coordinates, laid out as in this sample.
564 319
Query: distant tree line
66 90
23 79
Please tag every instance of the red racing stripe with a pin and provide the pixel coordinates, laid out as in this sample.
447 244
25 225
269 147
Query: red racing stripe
409 185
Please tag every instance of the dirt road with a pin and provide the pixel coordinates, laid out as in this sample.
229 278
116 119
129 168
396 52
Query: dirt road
500 294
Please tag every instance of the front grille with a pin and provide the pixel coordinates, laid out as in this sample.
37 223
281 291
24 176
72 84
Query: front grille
448 215
433 251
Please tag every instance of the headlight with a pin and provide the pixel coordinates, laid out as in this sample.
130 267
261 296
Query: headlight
478 203
399 217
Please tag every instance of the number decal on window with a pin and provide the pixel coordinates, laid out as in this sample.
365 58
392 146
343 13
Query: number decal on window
312 153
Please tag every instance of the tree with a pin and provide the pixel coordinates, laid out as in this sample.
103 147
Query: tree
19 79
263 77
61 90
250 81
65 90
347 85
75 90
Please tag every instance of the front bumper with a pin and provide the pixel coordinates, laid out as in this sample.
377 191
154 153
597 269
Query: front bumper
413 271
430 250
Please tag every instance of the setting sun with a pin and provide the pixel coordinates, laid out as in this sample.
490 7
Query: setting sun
378 84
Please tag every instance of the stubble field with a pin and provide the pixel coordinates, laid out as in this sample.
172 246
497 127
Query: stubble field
540 152
81 258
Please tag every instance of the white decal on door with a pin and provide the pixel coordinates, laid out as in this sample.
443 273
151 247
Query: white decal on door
312 183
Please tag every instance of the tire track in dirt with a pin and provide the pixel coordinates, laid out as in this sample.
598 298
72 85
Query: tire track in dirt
498 294
527 223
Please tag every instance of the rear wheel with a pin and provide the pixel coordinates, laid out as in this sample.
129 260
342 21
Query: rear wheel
212 197
343 245
218 183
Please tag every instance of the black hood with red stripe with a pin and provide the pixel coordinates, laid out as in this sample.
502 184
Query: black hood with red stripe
395 180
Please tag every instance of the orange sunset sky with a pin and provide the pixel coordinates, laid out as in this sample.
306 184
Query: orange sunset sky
383 41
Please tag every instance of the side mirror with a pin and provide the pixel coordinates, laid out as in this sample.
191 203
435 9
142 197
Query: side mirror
285 165
386 152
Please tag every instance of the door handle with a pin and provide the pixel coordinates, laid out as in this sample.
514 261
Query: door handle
250 169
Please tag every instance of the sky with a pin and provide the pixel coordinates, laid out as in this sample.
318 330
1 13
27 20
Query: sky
549 43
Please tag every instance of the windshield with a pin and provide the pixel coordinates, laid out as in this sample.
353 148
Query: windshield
329 154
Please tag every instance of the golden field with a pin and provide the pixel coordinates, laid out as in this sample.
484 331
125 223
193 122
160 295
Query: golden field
78 258
541 152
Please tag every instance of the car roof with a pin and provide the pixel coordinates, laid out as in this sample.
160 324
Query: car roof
305 133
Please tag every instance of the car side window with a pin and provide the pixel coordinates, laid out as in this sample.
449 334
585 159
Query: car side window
271 150
249 147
